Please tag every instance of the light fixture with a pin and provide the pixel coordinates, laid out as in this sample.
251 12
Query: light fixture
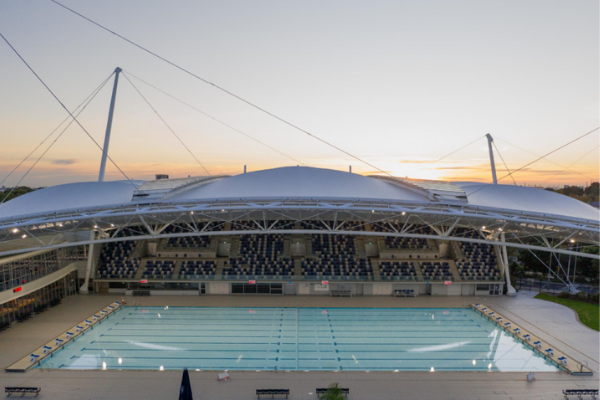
96 226
120 361
403 213
500 229
103 365
572 240
112 225
161 368
474 362
60 224
15 230
483 227
24 236
191 212
432 369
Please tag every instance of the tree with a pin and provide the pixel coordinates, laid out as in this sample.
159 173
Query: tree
593 190
333 393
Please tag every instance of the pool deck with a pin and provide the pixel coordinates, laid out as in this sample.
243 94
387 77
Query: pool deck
549 321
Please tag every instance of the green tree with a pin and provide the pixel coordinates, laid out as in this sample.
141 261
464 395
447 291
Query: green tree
18 191
333 393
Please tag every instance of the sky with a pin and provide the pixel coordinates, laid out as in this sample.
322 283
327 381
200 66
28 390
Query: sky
398 84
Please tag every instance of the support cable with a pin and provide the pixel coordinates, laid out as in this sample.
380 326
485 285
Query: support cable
538 159
215 119
55 129
56 139
166 124
67 110
456 151
504 162
566 168
533 154
224 90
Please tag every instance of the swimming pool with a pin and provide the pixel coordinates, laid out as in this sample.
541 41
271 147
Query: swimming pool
349 339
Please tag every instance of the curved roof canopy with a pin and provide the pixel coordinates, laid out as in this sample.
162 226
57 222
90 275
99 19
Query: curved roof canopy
294 183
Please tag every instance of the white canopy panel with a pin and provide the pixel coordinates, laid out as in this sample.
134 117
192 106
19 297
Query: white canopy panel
292 183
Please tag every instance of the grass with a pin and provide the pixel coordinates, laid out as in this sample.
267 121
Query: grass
589 314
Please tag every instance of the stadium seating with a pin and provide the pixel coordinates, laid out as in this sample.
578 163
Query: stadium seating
116 261
479 263
335 256
436 271
260 255
191 241
195 269
397 270
159 269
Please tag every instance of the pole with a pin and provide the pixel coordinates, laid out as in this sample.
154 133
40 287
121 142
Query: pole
490 140
111 112
90 259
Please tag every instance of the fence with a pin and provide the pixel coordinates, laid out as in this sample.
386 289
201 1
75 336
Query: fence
551 287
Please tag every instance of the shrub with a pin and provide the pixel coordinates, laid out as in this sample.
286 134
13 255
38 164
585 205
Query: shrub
564 295
581 296
594 297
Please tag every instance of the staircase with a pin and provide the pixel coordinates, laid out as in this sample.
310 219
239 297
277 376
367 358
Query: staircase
454 270
220 266
297 267
177 269
376 272
140 270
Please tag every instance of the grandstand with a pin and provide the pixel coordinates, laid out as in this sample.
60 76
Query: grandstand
369 235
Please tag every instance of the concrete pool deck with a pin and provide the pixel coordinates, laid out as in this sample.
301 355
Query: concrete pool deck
551 322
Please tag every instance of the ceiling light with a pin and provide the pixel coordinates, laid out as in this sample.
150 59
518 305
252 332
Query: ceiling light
15 230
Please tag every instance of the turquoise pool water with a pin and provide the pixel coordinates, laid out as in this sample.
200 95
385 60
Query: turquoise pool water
349 339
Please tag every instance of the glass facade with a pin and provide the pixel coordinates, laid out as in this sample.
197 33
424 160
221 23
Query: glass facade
15 309
16 273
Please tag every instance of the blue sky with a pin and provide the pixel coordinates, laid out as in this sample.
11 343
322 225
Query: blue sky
397 83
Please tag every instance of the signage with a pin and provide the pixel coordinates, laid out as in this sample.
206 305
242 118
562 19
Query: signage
17 289
252 282
144 281
448 283
324 282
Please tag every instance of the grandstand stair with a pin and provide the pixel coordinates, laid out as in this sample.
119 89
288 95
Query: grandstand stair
141 269
227 226
432 245
177 268
287 252
359 244
138 251
418 270
308 247
376 271
220 266
453 269
234 251
298 267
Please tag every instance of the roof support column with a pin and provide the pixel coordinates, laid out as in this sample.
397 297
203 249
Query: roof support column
88 268
510 290
490 140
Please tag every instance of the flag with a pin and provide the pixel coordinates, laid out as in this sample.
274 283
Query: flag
185 393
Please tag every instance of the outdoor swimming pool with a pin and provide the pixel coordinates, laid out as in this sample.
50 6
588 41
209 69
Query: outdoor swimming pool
349 339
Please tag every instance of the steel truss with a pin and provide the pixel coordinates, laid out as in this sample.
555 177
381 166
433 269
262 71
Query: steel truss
149 221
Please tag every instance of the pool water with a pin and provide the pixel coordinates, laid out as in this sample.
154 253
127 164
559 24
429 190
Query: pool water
348 339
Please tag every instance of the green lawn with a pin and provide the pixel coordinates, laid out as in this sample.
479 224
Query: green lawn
589 314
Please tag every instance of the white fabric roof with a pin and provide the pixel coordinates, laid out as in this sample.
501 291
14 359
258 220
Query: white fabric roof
71 196
293 182
527 199
305 182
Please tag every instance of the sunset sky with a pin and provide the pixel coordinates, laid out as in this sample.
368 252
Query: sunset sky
399 84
